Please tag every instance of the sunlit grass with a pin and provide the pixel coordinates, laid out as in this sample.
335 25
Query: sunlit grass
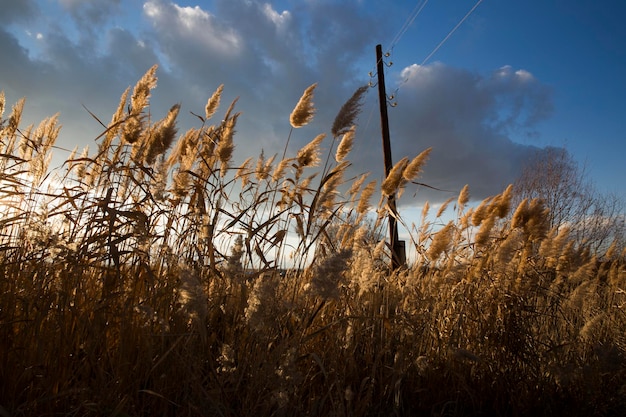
158 277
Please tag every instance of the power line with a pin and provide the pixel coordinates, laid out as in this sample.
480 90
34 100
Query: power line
451 32
434 51
407 24
409 21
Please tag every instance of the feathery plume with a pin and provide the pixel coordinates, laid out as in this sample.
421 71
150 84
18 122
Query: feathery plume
279 172
213 103
328 275
114 126
138 101
508 248
414 168
519 217
260 166
356 186
304 111
366 195
443 207
263 167
141 92
502 203
394 179
537 220
226 147
348 112
425 211
2 103
440 242
482 237
463 197
191 296
244 172
481 212
163 136
308 156
14 119
345 145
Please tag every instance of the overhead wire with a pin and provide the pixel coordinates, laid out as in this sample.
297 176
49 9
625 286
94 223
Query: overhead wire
440 44
408 23
468 14
405 26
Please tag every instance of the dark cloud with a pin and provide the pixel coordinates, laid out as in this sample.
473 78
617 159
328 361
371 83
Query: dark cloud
467 119
89 16
267 57
17 11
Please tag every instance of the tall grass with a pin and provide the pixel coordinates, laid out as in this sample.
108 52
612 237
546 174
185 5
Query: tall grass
155 276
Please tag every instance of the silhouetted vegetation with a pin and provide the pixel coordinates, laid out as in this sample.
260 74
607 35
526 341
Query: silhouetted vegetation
148 278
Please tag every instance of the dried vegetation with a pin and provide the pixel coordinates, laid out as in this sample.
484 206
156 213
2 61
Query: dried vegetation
150 278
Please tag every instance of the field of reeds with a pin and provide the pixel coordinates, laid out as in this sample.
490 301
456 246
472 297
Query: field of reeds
153 276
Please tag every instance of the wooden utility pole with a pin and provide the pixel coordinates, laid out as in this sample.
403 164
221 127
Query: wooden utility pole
398 252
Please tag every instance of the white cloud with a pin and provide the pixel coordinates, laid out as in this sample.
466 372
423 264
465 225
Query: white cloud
460 114
280 20
192 24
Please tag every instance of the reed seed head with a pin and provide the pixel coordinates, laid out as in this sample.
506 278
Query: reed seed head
463 197
304 111
308 156
394 180
348 112
441 241
345 146
2 104
213 103
366 195
414 168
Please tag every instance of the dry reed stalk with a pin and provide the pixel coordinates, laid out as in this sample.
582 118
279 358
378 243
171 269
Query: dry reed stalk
133 127
551 248
328 275
243 173
225 147
213 103
264 167
308 156
162 137
141 92
356 187
304 111
14 119
394 180
443 207
260 167
366 195
347 114
502 203
481 212
508 248
345 146
115 125
180 186
441 241
329 190
281 167
484 233
464 197
414 168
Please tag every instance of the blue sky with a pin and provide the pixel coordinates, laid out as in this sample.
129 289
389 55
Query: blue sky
513 78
